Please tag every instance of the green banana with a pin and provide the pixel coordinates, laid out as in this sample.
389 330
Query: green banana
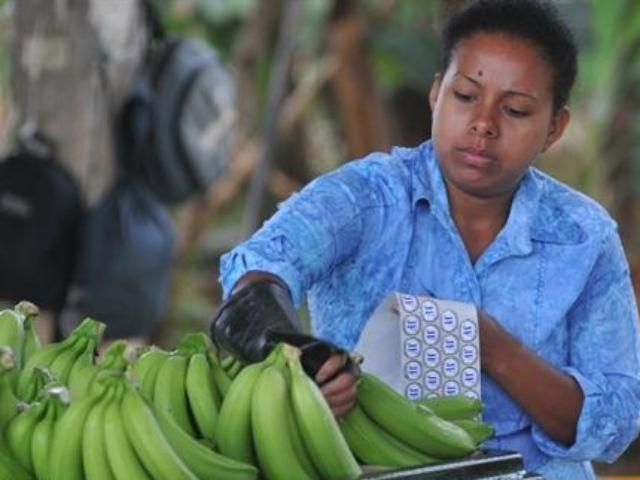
146 368
65 461
477 430
301 451
62 365
8 400
19 431
270 410
227 362
220 377
203 397
278 359
56 397
233 431
412 423
123 460
95 461
203 461
41 443
373 446
235 368
454 407
10 468
169 391
12 333
81 375
115 357
319 429
149 442
32 341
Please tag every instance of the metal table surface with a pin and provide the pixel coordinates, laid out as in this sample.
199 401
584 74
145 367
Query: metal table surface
483 465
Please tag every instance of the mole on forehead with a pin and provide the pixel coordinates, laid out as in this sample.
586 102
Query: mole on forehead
479 73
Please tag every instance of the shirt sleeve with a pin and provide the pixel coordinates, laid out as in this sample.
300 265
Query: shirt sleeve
310 233
604 360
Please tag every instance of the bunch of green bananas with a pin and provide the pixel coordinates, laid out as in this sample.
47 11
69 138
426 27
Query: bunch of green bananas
188 384
66 359
274 415
113 432
28 435
385 429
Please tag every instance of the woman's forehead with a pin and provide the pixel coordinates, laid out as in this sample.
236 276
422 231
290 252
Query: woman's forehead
501 59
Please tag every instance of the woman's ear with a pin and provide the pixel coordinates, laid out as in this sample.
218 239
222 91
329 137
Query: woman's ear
559 123
435 90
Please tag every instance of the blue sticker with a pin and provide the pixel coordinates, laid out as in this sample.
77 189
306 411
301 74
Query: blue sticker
411 325
413 391
409 302
413 370
431 335
468 330
432 380
451 388
451 367
429 311
412 347
469 377
449 321
469 354
450 344
431 357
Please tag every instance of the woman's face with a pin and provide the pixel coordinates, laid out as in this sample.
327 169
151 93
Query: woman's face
493 114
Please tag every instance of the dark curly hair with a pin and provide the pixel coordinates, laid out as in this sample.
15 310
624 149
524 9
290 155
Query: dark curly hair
536 21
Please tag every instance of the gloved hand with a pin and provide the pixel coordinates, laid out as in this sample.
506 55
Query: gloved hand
253 320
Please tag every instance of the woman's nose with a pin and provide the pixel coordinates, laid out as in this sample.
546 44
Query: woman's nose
483 124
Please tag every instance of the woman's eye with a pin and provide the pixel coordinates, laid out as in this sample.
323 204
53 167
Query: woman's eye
463 97
514 112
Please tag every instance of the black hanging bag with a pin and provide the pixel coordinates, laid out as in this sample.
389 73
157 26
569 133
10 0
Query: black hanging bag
40 214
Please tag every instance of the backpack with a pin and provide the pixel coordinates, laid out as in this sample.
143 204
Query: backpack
175 126
40 214
124 264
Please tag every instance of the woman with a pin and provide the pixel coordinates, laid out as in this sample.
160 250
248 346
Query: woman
466 216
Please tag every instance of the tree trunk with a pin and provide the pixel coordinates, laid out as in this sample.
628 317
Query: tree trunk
361 110
58 49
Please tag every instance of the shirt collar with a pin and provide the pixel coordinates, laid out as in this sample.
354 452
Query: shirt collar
534 215
427 182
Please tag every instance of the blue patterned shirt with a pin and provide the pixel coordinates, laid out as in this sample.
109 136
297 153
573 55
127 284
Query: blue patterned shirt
555 277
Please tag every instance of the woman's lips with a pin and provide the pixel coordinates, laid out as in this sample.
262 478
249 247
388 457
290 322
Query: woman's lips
475 158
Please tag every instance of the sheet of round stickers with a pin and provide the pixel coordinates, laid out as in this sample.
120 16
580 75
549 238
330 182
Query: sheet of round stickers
440 347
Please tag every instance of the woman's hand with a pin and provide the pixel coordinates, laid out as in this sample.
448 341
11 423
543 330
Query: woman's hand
340 392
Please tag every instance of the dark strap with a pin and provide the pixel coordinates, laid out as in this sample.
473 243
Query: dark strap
154 23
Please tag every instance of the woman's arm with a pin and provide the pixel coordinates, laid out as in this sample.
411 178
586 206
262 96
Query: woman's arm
550 397
588 408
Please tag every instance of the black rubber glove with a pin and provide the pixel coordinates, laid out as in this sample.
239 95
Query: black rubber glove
252 321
